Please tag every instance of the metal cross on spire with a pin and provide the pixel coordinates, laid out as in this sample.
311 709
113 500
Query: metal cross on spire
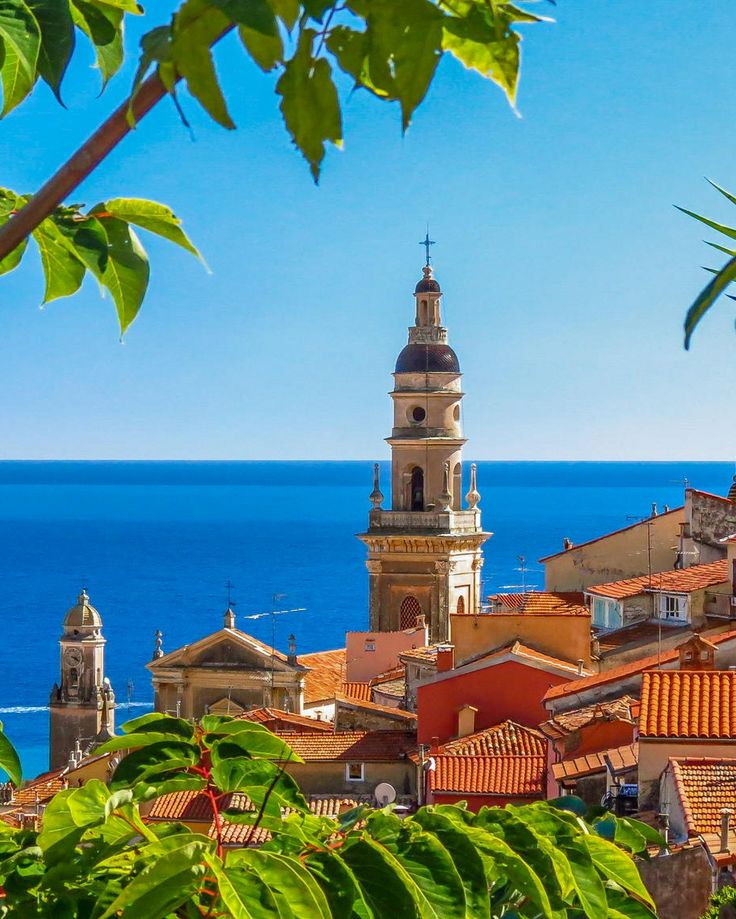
229 587
427 242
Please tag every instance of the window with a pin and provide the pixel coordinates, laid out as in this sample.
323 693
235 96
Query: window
460 606
370 644
418 414
416 492
354 772
673 607
408 613
607 613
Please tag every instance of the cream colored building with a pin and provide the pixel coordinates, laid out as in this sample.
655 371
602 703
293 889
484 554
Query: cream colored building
424 552
227 672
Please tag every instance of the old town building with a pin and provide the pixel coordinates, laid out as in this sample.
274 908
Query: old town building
424 551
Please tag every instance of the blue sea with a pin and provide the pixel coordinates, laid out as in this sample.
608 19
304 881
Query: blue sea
155 543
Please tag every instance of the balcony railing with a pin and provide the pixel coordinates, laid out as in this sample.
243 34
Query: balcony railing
466 521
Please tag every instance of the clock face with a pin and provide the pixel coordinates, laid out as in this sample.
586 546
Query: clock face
73 657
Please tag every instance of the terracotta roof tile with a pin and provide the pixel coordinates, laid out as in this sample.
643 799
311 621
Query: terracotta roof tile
275 719
352 746
517 649
361 691
327 673
396 673
512 776
367 706
427 654
565 723
704 786
589 542
679 580
625 670
540 603
396 689
41 789
507 738
621 758
192 806
688 703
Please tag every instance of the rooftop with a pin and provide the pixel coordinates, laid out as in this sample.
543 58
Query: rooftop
352 746
275 718
679 580
327 673
518 650
510 776
540 603
622 759
688 703
565 723
367 706
425 655
505 739
704 787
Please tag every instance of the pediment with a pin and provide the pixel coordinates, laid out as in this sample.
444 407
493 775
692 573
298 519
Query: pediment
225 707
227 649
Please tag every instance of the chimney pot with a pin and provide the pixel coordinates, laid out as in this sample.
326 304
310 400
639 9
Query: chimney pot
581 666
445 658
725 827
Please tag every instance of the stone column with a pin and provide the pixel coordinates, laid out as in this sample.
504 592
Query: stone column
477 599
374 593
441 627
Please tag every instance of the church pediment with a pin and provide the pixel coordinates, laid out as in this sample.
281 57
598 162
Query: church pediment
225 707
228 649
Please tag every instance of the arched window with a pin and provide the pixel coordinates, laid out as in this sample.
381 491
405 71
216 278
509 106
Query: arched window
410 610
416 493
460 606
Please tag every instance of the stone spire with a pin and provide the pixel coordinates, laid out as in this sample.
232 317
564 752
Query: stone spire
158 642
229 618
473 495
376 495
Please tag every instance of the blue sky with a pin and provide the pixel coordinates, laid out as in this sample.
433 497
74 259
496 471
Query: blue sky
566 270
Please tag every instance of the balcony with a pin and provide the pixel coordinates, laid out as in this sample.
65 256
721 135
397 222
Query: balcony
434 521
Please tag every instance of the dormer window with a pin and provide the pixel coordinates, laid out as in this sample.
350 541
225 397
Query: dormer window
673 607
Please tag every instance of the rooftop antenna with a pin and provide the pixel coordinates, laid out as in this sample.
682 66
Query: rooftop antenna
273 613
427 242
129 693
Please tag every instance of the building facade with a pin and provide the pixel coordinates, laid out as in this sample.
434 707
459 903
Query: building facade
424 552
82 703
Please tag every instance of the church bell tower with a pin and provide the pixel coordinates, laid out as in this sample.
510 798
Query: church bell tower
424 553
83 704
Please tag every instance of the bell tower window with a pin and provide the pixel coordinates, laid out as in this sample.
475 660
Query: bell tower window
416 489
409 612
460 609
418 414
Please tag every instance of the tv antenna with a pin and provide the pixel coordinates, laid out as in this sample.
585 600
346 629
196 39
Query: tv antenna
273 613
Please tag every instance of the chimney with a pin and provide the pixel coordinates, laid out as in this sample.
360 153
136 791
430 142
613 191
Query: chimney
434 745
725 827
654 509
291 657
445 658
581 667
466 720
566 543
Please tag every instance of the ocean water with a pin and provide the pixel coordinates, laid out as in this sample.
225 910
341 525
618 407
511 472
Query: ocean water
155 544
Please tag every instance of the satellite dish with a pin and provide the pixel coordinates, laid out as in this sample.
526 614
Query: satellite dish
385 794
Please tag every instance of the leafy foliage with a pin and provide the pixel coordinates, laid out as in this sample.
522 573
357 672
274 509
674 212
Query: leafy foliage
102 242
726 896
95 855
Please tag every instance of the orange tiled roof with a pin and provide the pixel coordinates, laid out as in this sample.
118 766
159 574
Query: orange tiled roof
622 759
688 703
361 691
512 776
275 718
327 673
507 738
517 649
40 790
396 689
704 786
427 654
625 670
589 542
192 806
566 722
369 706
352 746
540 603
396 673
679 580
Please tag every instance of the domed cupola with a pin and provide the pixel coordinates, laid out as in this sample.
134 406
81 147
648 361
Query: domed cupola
427 358
82 614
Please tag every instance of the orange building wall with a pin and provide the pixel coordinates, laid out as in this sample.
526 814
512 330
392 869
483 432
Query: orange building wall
509 690
600 736
564 637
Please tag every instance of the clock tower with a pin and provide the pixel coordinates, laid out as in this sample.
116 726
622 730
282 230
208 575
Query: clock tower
83 704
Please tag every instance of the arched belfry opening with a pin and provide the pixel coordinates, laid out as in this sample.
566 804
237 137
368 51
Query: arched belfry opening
416 489
460 608
409 612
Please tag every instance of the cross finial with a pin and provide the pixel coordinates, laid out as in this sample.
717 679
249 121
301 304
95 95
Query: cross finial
427 242
229 586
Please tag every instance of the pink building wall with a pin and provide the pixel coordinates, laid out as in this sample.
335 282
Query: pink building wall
363 664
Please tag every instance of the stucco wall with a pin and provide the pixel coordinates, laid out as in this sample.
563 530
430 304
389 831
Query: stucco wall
622 554
680 883
563 637
363 664
329 778
711 518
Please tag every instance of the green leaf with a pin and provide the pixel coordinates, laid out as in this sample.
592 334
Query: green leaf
12 259
245 737
243 893
155 48
262 781
9 761
127 271
162 886
21 38
103 25
295 891
69 814
56 26
183 782
405 45
588 885
309 103
651 836
155 760
258 29
622 906
350 49
63 270
156 218
615 865
335 879
439 888
159 723
379 877
196 25
287 11
127 6
707 297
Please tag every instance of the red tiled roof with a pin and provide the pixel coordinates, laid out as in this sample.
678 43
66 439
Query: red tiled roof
275 718
511 776
507 738
368 706
679 580
395 689
540 603
625 670
327 672
517 649
352 746
427 654
621 758
41 789
192 806
565 723
704 787
688 703
396 673
589 542
361 691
